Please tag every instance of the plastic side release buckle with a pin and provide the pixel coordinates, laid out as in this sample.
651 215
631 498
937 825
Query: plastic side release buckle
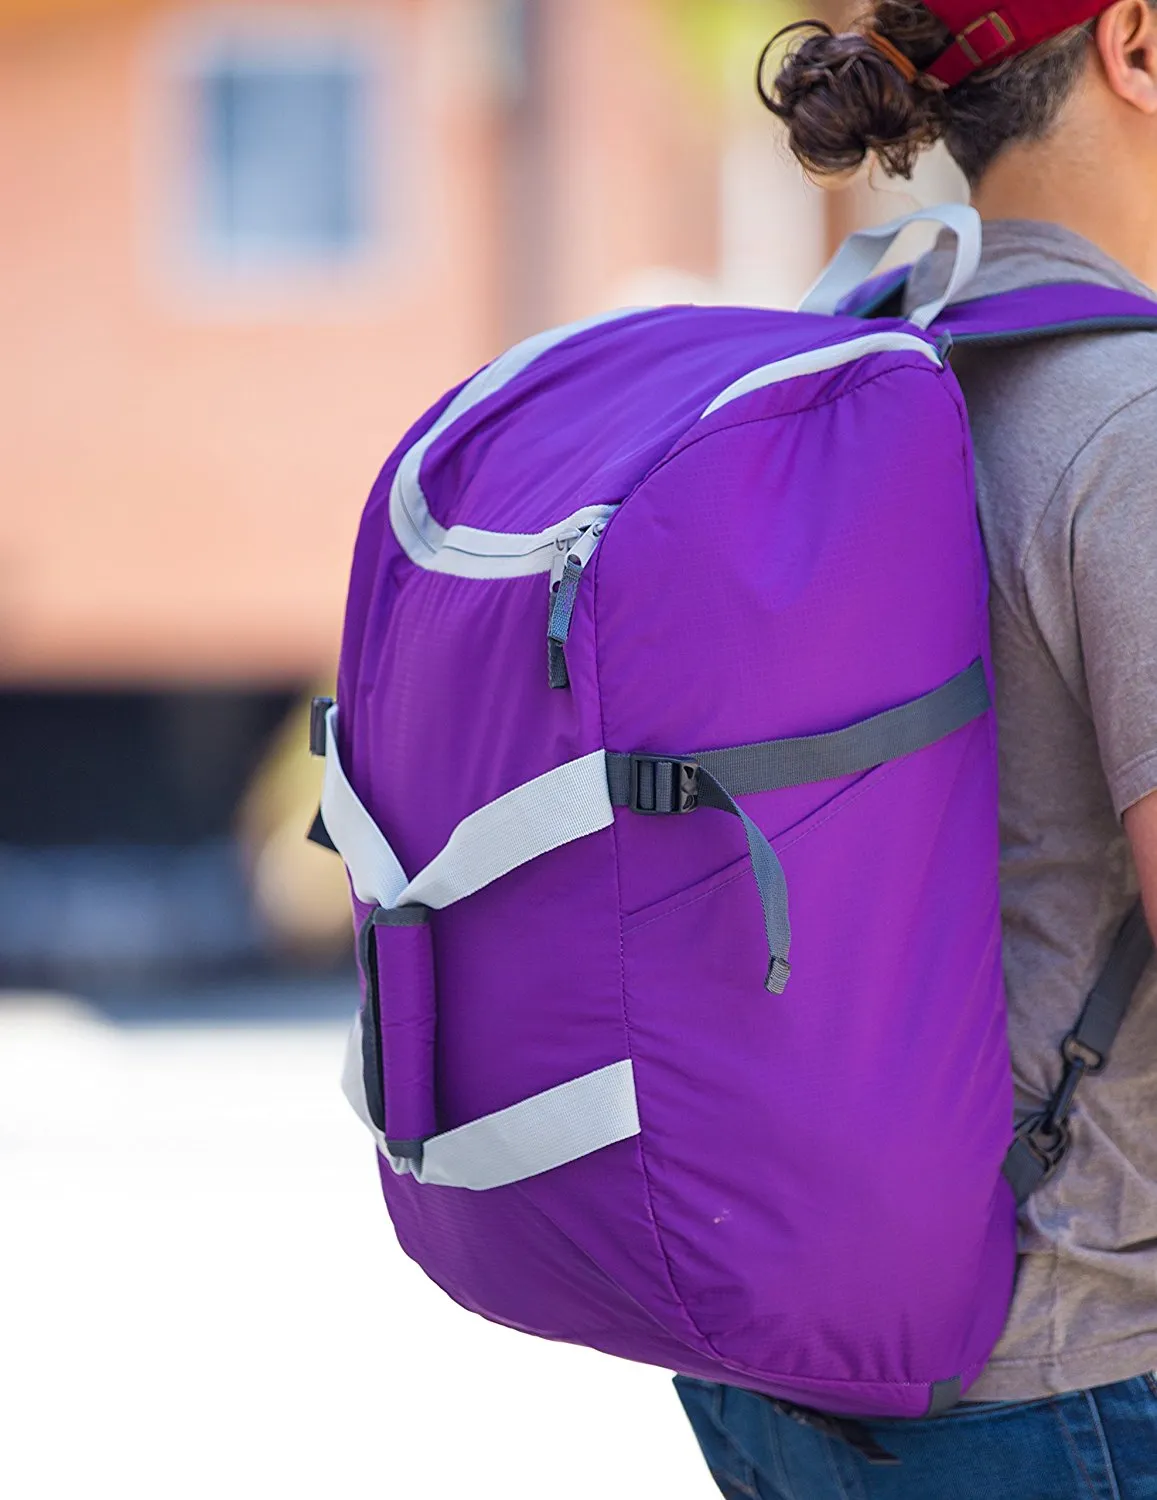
318 710
1048 1140
663 785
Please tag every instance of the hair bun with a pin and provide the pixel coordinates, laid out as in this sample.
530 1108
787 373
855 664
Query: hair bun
843 98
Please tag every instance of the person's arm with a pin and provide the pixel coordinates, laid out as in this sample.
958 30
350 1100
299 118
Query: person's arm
1141 826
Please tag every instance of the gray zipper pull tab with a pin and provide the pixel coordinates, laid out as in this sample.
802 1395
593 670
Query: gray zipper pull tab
564 584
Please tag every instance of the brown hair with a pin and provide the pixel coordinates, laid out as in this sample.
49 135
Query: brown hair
843 98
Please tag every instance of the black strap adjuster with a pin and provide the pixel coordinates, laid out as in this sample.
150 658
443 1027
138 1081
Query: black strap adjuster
318 712
662 785
1048 1139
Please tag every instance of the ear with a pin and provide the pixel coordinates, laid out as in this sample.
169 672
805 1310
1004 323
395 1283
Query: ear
1126 37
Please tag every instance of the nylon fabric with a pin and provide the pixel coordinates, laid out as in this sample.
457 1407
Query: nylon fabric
464 550
800 543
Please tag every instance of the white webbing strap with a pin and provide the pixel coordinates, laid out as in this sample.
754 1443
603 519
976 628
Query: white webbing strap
549 1129
552 810
862 252
533 1136
376 874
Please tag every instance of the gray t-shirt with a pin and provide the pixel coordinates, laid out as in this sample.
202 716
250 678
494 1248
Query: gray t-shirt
1065 434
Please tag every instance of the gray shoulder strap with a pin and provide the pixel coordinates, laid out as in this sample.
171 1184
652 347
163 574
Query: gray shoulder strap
1042 1141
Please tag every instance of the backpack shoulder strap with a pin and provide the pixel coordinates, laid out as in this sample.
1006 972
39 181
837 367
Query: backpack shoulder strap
1050 310
1047 311
1042 1142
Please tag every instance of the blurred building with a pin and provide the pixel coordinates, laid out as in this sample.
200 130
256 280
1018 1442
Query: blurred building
244 245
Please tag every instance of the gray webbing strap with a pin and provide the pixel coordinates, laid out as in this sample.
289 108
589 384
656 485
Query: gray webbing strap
776 764
1109 998
714 778
769 877
1042 1141
846 752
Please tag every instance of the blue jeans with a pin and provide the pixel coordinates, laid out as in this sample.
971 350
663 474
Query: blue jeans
1099 1444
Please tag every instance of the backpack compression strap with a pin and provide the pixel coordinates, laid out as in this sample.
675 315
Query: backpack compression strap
578 798
665 784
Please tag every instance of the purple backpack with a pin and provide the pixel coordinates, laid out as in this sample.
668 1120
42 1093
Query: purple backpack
661 628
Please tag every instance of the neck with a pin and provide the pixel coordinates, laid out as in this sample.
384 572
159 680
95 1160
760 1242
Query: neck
1062 180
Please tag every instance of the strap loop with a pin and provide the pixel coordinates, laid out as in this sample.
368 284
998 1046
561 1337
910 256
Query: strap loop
861 253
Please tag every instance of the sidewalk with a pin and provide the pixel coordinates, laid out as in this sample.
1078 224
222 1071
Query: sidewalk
200 1296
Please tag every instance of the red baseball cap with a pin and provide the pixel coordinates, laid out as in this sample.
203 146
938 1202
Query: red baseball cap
987 37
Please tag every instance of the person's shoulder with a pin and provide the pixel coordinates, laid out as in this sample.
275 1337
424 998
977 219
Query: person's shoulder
1068 387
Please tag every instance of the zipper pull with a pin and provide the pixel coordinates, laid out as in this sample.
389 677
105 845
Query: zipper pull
575 553
562 545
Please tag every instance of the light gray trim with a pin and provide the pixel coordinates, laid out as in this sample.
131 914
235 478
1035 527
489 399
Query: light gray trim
534 1136
353 1080
466 551
377 875
554 809
814 361
861 253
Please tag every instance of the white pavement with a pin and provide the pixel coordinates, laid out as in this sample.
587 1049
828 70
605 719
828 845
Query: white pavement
200 1296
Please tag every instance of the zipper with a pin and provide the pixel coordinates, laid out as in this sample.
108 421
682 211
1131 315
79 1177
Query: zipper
573 552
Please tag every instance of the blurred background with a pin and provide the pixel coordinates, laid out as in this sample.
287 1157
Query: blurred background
243 246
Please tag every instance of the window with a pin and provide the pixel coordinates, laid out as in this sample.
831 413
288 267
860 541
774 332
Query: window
282 140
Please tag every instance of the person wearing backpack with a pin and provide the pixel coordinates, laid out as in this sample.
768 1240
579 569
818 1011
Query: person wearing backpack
664 767
1050 109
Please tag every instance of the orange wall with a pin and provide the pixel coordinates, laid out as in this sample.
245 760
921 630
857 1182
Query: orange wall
182 461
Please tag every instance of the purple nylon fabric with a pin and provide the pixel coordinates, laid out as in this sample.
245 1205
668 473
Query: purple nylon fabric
814 1207
408 1016
1054 304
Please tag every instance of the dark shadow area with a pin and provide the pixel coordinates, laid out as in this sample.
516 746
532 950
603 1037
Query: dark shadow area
121 876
